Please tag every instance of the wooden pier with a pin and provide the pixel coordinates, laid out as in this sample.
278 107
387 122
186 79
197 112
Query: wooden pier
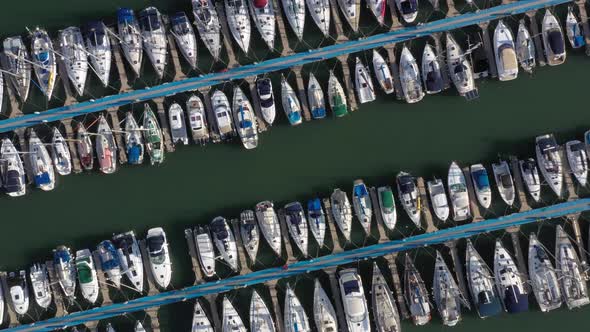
568 180
152 312
397 285
337 22
92 326
212 299
381 229
276 305
458 267
519 185
24 149
395 23
63 76
476 214
211 122
10 313
118 59
261 124
277 5
331 226
584 21
440 56
452 11
118 134
60 306
178 73
192 250
103 284
487 45
351 96
164 125
302 93
520 261
71 138
394 71
286 238
231 55
331 271
15 105
242 256
424 207
536 35
574 219
152 289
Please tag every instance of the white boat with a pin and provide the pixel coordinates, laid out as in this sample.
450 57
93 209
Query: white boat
197 119
315 98
543 277
382 72
263 14
245 119
130 258
578 161
530 177
13 171
363 83
409 76
320 13
553 41
295 319
207 23
569 271
98 44
40 163
249 234
481 284
236 13
269 225
63 263
416 294
504 181
260 317
408 9
110 262
153 34
408 195
40 285
152 134
267 99
342 212
109 328
323 311
378 9
84 147
383 304
2 303
87 275
505 53
130 38
133 140
431 71
74 57
205 250
352 293
446 293
508 281
387 207
351 10
460 69
317 220
458 193
361 201
481 185
438 199
43 57
139 327
185 38
177 124
201 322
297 226
18 289
550 162
336 96
16 61
159 256
525 48
231 321
60 152
222 112
106 148
224 240
290 102
573 29
295 13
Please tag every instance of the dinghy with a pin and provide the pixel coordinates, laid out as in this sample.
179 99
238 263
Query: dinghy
152 135
317 220
315 96
87 275
207 23
438 199
43 58
297 226
295 13
530 177
222 112
549 161
387 207
130 38
224 240
431 71
525 48
197 120
16 61
133 141
13 171
363 83
295 319
504 52
509 282
481 284
205 250
231 319
74 57
110 263
408 195
84 148
177 124
408 9
106 148
266 98
458 193
361 201
185 38
553 42
342 212
320 13
63 263
238 20
159 256
543 276
378 9
153 34
382 73
269 225
40 285
98 45
409 76
130 258
290 102
569 271
323 311
249 234
416 294
383 304
446 293
460 69
578 161
481 185
504 181
263 14
351 10
573 29
354 302
40 163
260 317
336 96
201 322
245 119
18 289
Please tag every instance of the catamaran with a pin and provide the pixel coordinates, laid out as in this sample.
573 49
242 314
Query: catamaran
74 57
525 48
320 13
201 322
295 319
336 96
40 163
12 169
504 52
363 83
106 148
383 305
130 38
509 281
159 256
378 9
224 240
323 311
382 72
460 69
387 207
98 44
177 124
236 13
16 61
205 250
351 10
260 317
569 271
185 38
63 262
130 258
290 102
543 276
530 176
446 293
207 23
504 181
45 65
416 294
109 260
352 293
153 34
223 117
249 234
549 161
408 195
197 120
18 289
60 152
458 193
342 212
408 9
481 284
231 319
297 226
263 14
553 41
409 76
317 220
40 285
133 141
269 225
578 161
481 185
245 119
87 275
266 98
573 29
361 201
315 97
438 199
84 147
152 135
431 71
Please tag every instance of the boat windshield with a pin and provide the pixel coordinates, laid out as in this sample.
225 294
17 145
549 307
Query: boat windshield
155 244
360 190
406 184
350 287
481 179
13 181
506 180
458 187
149 21
434 80
556 41
577 147
266 103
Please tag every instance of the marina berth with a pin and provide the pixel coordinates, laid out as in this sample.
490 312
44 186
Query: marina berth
387 206
460 69
40 163
438 199
530 175
408 9
208 26
65 269
458 193
130 259
18 288
177 124
481 284
504 182
317 220
159 256
525 48
378 9
269 225
130 38
197 120
185 38
336 97
225 242
323 311
446 293
110 263
316 100
504 52
106 148
320 13
205 250
431 71
43 60
133 140
383 304
553 41
263 15
266 99
98 45
569 271
481 185
578 161
75 57
354 301
509 282
153 34
249 234
87 278
295 13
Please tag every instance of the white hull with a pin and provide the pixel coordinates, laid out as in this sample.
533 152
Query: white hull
530 177
106 149
336 93
446 293
506 274
245 119
342 212
481 185
223 117
250 234
61 153
75 57
354 302
363 83
9 163
269 225
553 41
40 285
201 322
207 23
431 71
578 161
569 271
98 45
133 140
264 19
130 259
363 208
323 310
573 29
88 280
438 199
316 99
45 63
550 162
267 100
525 48
378 9
232 322
236 13
351 10
130 41
290 102
205 251
409 197
260 317
504 182
197 120
185 38
543 277
320 13
460 69
458 193
295 319
225 242
408 9
481 284
387 207
409 75
297 226
159 258
153 33
382 73
383 304
40 163
317 222
504 52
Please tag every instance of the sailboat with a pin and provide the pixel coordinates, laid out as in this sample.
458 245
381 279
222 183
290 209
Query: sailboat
87 275
320 13
159 256
18 288
504 52
207 23
460 69
361 201
336 96
236 13
40 285
553 41
185 38
378 8
98 44
315 96
342 212
249 234
578 161
543 276
416 294
525 48
201 322
323 311
317 220
130 258
177 124
84 147
139 327
363 83
153 34
16 61
63 263
74 57
269 225
45 65
438 199
260 317
383 305
550 162
408 195
231 319
290 102
224 240
573 29
481 284
530 177
295 319
387 207
267 99
133 141
382 73
569 271
458 193
152 135
13 171
431 71
223 117
197 119
60 153
106 148
509 282
130 38
109 260
481 185
245 119
409 76
504 181
446 293
354 302
263 14
408 9
205 250
297 226
351 10
40 163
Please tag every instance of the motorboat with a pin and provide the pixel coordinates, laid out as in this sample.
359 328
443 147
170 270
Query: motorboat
317 220
504 181
60 152
152 135
207 23
573 29
18 288
354 302
260 317
530 177
130 258
197 119
153 34
177 124
549 161
133 140
446 293
130 38
43 58
578 161
297 226
16 61
481 185
387 207
40 285
509 281
263 14
408 9
87 275
295 319
74 57
361 202
98 45
249 234
408 195
106 148
159 256
460 69
505 53
290 102
431 71
110 263
336 96
553 41
224 240
205 250
438 199
378 9
269 225
231 321
12 170
382 72
458 193
65 269
201 322
525 48
222 112
236 13
323 311
481 284
351 10
40 163
266 99
342 212
383 304
185 38
363 83
543 276
569 271
409 76
320 13
416 294
315 98
84 147
245 119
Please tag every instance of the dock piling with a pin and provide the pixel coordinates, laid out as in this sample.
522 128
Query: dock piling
152 312
114 115
12 317
520 261
15 105
281 28
71 137
92 326
118 59
476 214
536 35
151 284
213 129
192 250
377 211
331 226
60 307
519 184
452 10
231 55
276 306
458 267
164 125
24 148
425 207
487 44
242 259
394 71
102 282
256 104
397 285
331 271
301 92
351 96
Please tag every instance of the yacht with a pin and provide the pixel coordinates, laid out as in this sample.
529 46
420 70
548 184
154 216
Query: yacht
342 212
12 169
87 275
98 44
225 242
201 322
197 120
185 38
290 102
207 23
84 147
249 234
481 284
530 177
130 258
269 225
40 163
382 72
245 119
504 181
320 13
133 140
205 250
352 293
317 220
378 9
383 304
431 71
408 195
263 14
361 201
159 256
438 199
543 276
578 161
266 98
16 61
416 294
295 319
44 61
110 262
409 76
408 9
460 69
363 83
525 48
236 13
130 38
481 185
74 57
458 193
446 293
351 10
19 291
230 317
570 271
222 112
387 207
40 285
106 148
153 34
553 42
177 124
549 161
315 98
336 96
297 226
573 29
504 52
323 311
63 263
260 317
152 135
509 282
60 152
